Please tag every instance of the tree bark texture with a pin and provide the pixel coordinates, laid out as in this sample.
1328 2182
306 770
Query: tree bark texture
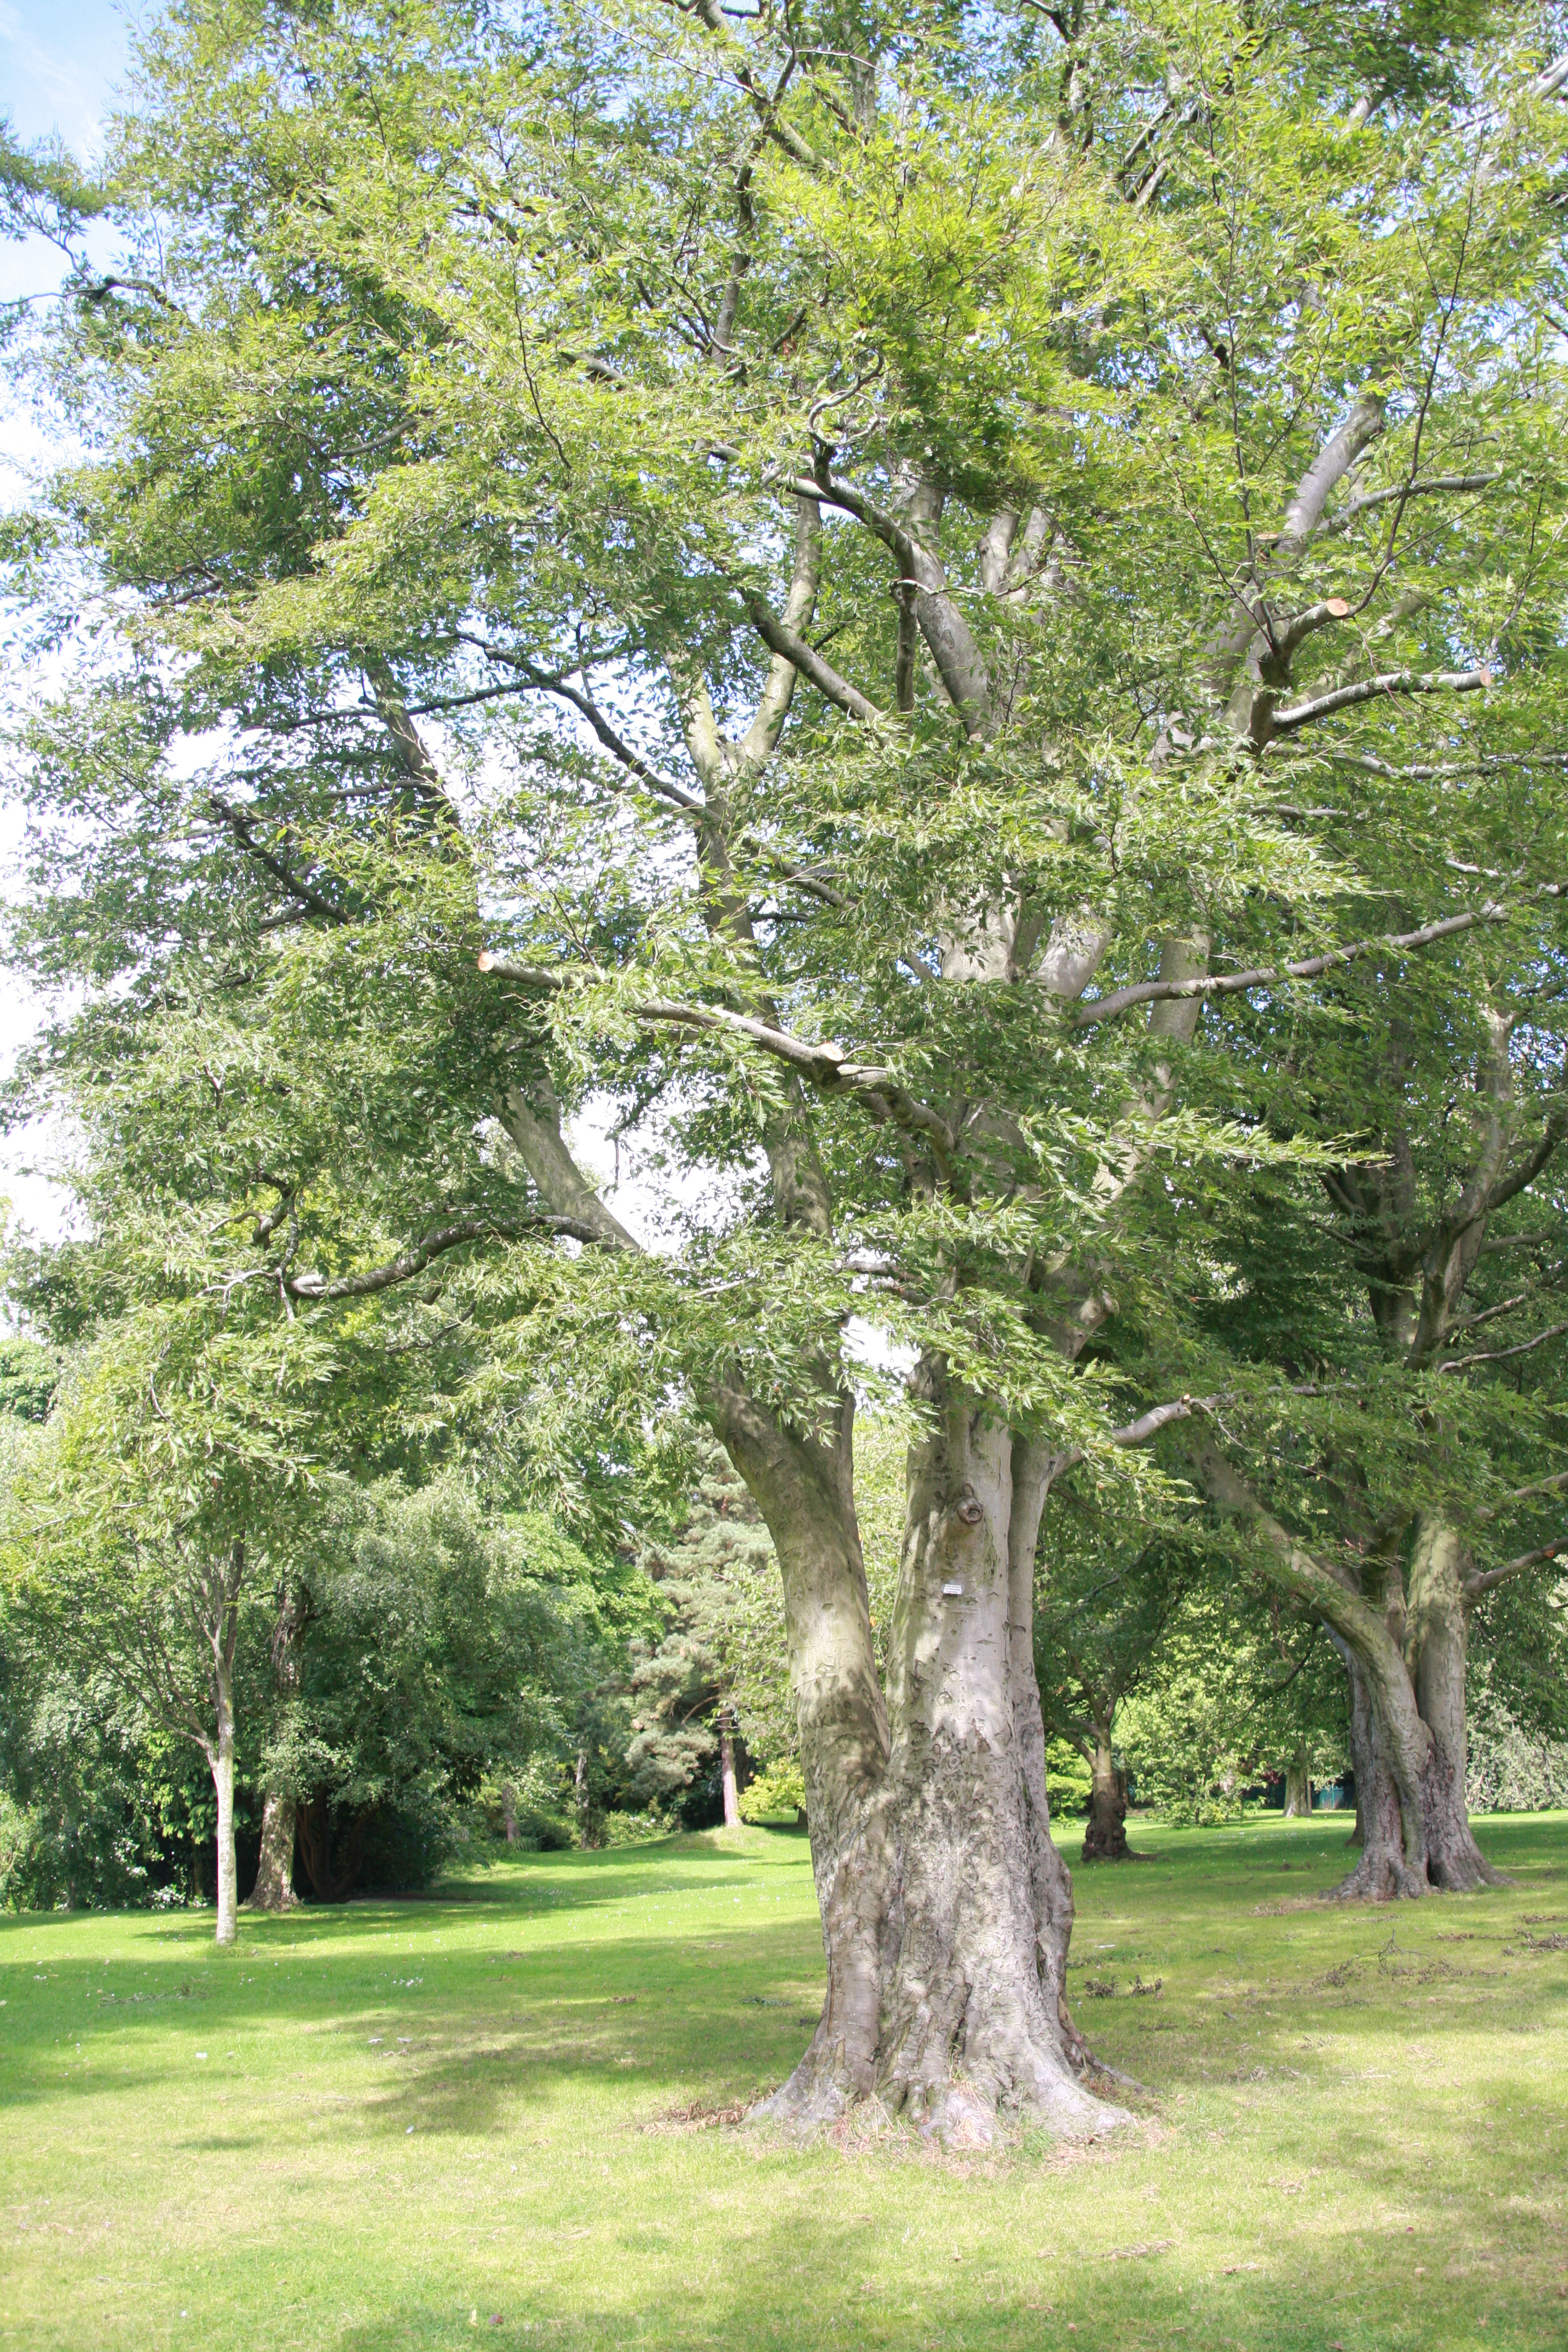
274 1888
220 1617
1412 1818
946 1909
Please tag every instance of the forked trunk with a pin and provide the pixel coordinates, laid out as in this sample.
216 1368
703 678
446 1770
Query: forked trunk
946 1909
274 1888
1410 1795
1105 1840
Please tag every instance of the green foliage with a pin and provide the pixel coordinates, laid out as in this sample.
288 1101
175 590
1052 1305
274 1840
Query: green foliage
1236 1691
1067 1779
777 1793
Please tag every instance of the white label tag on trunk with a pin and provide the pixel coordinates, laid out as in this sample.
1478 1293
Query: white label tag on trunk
952 1591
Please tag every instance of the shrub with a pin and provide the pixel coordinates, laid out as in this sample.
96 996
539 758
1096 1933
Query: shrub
776 1794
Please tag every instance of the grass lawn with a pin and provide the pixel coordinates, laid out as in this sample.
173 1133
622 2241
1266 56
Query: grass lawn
391 2123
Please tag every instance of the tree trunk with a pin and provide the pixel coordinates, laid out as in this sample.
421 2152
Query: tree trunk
508 1811
1416 1832
221 1758
1384 1870
1105 1840
587 1829
1298 1786
274 1888
945 1908
726 1768
1434 1649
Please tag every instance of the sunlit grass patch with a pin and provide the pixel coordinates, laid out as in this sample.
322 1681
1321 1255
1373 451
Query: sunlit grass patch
514 2108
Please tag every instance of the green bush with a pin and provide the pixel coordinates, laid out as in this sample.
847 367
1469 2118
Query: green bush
776 1794
633 1829
1067 1780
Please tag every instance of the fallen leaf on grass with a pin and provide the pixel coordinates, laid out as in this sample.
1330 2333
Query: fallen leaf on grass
1136 2253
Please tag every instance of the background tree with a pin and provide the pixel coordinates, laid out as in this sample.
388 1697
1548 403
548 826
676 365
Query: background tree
1098 1627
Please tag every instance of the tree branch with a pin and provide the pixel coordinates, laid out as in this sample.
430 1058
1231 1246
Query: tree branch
1476 1585
1501 1355
1400 681
432 1245
824 1067
783 641
240 826
1343 521
1233 983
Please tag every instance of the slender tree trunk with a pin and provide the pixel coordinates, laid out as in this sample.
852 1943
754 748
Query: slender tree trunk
222 1590
508 1811
727 1768
945 1908
1298 1786
587 1831
274 1888
221 1758
1105 1840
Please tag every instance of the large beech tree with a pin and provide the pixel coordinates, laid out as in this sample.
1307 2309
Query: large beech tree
767 577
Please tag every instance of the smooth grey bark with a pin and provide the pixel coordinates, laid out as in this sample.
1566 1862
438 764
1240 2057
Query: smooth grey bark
220 1758
1416 1781
219 1615
1415 1833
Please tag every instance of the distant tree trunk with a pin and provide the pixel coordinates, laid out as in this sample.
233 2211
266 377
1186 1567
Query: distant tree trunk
274 1888
220 1757
221 1596
587 1828
1409 1770
1105 1840
1298 1785
726 1767
508 1811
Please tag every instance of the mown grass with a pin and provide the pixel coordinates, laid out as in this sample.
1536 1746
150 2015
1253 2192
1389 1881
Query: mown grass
391 2124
